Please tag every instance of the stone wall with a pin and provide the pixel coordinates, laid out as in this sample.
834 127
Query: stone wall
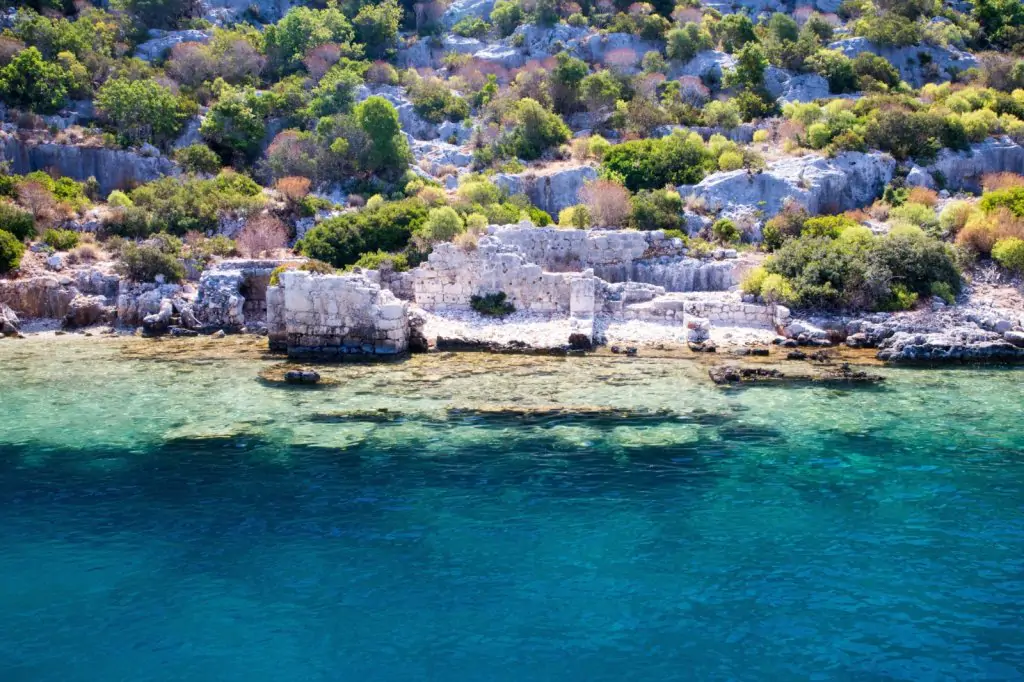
728 312
452 276
334 316
233 292
618 256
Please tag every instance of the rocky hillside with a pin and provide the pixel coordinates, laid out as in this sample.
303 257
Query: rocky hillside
368 132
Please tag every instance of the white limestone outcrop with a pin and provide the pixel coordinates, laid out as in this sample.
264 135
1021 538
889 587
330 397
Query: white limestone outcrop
549 189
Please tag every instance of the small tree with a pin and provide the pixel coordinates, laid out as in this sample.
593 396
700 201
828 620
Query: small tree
388 152
535 130
376 27
30 82
142 110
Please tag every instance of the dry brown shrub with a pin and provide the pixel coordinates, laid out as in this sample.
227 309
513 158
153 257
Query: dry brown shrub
991 182
467 241
295 188
692 91
239 61
320 59
262 235
858 214
432 196
191 63
983 230
622 58
9 47
608 203
791 130
380 72
85 253
923 195
356 201
802 14
580 148
37 199
682 15
879 210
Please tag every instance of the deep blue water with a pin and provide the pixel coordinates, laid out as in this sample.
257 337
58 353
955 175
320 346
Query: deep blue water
766 534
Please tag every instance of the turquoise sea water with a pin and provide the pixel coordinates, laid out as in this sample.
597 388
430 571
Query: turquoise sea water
179 520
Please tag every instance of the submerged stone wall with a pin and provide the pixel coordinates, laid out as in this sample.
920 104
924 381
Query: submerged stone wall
334 316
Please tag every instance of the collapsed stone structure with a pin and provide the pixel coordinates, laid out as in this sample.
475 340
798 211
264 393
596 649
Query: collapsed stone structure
584 277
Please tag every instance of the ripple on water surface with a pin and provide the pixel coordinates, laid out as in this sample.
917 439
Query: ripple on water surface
502 518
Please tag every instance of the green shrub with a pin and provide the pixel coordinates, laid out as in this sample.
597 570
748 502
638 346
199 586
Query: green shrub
887 28
685 42
197 158
376 27
954 216
506 16
900 298
787 224
142 263
30 82
871 69
1010 254
302 29
830 226
906 134
442 225
492 305
178 206
915 214
730 161
753 281
777 289
943 291
435 102
142 110
534 131
341 240
376 260
388 152
61 240
14 220
575 217
721 114
11 251
677 159
471 27
1011 199
660 209
725 231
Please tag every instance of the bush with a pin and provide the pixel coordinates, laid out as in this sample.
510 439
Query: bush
142 263
1010 254
787 224
608 203
236 123
575 217
534 131
379 260
61 240
442 225
830 226
178 206
871 69
916 214
15 221
376 27
506 16
262 235
30 82
142 110
340 241
677 159
954 216
435 102
301 30
730 161
1011 199
660 209
753 281
388 152
471 27
11 251
197 158
777 289
906 134
725 231
685 42
721 114
492 305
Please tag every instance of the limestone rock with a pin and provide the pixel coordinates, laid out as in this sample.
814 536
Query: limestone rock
460 9
550 190
964 170
9 323
620 50
160 321
85 311
38 297
505 56
112 168
850 180
55 263
160 42
943 62
789 87
708 65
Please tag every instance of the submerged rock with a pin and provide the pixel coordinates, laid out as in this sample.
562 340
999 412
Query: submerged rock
302 376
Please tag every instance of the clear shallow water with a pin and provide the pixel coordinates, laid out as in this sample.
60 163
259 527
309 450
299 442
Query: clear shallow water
178 520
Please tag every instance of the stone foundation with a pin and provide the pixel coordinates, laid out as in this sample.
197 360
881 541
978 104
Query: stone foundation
335 316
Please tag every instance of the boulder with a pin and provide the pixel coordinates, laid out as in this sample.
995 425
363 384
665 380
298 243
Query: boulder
617 50
943 63
708 65
821 185
46 296
302 376
9 323
964 170
160 42
957 345
159 322
539 41
85 311
55 262
460 45
788 87
505 56
460 9
550 190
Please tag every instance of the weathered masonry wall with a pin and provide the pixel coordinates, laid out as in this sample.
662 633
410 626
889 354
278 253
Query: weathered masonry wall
452 276
334 316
